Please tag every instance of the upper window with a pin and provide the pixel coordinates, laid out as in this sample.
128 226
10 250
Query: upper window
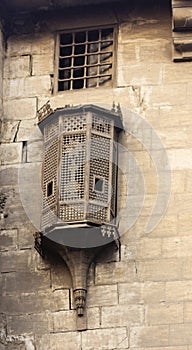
84 59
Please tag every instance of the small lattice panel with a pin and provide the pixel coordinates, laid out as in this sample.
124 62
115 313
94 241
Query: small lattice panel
73 167
85 59
79 168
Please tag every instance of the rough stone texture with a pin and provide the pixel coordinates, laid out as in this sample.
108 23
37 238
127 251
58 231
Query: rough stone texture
13 110
1 69
10 153
139 298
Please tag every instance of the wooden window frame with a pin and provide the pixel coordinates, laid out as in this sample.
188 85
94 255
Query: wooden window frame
70 80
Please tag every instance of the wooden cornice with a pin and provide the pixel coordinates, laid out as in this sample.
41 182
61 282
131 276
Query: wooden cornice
182 30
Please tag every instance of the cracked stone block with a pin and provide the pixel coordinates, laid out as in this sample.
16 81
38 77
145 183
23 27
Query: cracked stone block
28 130
9 131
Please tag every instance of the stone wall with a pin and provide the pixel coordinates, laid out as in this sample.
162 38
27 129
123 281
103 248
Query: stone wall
139 298
1 67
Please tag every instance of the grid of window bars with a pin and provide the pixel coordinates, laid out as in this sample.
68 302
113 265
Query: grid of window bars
85 59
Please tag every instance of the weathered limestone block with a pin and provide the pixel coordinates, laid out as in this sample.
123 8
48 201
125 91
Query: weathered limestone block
93 317
34 302
127 53
15 67
14 217
177 246
35 43
27 87
180 158
180 334
10 153
149 336
60 299
9 131
173 112
139 75
43 64
109 338
179 291
187 271
115 316
175 136
9 175
8 240
141 293
24 280
130 293
20 109
187 312
27 324
26 130
177 73
155 51
146 248
159 270
116 272
166 227
153 292
71 341
64 321
34 151
1 69
60 275
14 261
167 94
182 203
184 224
25 236
102 295
158 314
11 198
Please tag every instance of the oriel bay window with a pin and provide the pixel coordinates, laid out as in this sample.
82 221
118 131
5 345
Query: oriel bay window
79 185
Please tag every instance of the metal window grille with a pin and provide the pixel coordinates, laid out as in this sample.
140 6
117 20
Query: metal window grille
85 59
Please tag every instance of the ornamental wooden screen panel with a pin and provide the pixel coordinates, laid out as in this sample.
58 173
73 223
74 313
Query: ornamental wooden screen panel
79 168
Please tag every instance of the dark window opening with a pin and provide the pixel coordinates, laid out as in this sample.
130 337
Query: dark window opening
49 188
85 59
98 184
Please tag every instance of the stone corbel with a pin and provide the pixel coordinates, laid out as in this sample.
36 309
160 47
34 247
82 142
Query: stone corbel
182 30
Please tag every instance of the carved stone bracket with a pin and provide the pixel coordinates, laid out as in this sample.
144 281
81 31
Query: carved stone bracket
182 30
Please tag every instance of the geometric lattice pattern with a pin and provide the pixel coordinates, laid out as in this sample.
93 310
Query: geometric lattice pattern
99 166
74 123
79 174
101 125
73 167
